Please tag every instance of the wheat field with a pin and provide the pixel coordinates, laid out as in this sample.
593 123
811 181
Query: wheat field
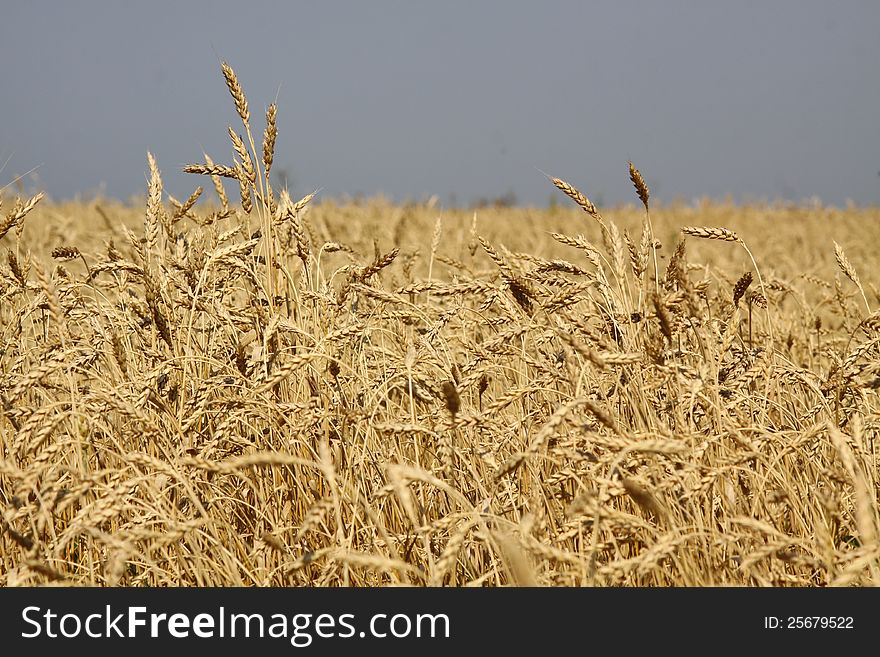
247 389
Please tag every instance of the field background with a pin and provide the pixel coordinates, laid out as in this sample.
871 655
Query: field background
313 443
247 389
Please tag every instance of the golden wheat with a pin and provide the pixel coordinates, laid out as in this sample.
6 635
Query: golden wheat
292 393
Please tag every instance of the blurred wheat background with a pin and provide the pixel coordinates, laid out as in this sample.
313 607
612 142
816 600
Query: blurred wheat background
243 388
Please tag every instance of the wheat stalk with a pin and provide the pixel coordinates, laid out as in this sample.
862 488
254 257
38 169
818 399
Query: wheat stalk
639 183
850 271
710 233
269 137
241 105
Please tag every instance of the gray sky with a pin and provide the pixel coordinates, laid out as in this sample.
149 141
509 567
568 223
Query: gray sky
758 99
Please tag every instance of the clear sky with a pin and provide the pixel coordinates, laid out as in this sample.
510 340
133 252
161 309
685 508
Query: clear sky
465 100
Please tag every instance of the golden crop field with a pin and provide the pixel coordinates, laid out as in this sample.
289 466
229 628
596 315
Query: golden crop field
247 389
